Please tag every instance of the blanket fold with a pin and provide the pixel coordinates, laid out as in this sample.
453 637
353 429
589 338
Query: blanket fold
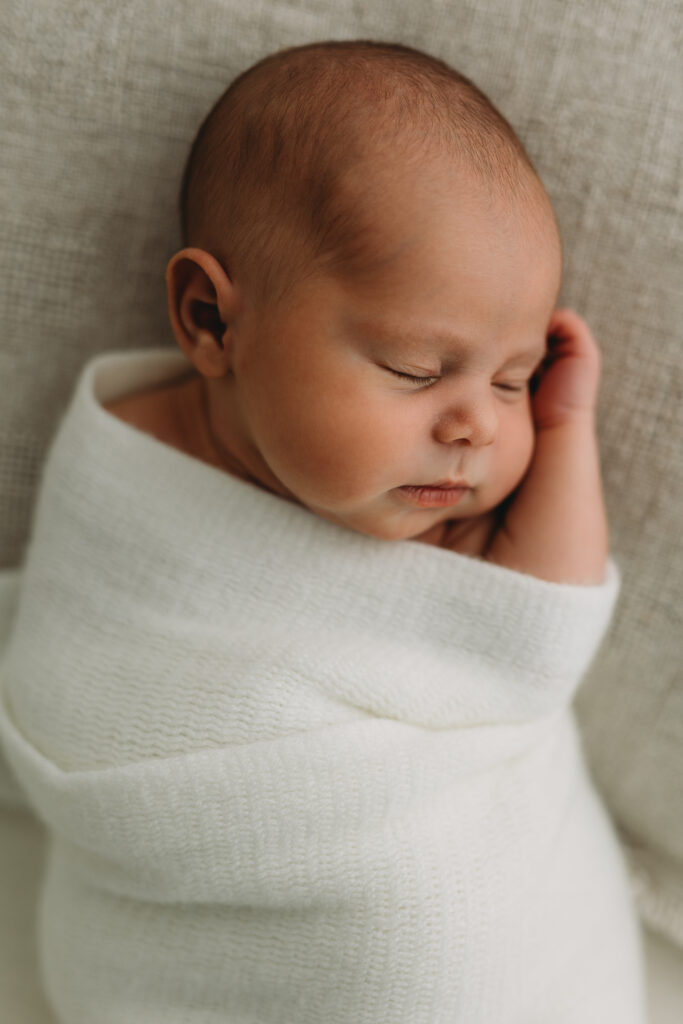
10 793
294 773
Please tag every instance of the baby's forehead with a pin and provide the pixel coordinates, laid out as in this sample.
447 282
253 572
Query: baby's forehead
395 205
457 269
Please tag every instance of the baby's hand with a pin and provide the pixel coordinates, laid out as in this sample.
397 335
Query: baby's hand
556 527
565 386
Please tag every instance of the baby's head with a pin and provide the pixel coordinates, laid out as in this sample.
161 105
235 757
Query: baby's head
369 269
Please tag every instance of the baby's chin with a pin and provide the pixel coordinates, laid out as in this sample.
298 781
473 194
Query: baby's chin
466 528
469 535
426 526
381 527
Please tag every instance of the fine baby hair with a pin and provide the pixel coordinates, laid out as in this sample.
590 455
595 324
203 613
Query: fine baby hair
285 166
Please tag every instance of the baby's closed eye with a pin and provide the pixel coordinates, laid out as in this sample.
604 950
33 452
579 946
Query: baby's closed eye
428 380
413 377
519 386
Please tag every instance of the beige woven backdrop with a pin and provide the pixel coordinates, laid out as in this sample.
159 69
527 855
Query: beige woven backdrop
100 102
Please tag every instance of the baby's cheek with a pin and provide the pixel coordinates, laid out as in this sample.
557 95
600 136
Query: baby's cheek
351 459
327 452
514 451
525 442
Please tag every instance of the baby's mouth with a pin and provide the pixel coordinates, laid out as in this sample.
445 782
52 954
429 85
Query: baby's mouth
439 495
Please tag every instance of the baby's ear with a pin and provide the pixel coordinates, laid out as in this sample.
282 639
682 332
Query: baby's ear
201 305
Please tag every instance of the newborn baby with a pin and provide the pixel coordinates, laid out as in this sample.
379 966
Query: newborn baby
368 286
297 767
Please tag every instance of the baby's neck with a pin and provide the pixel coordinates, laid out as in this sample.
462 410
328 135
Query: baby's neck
464 536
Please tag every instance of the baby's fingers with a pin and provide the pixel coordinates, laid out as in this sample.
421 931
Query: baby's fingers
565 385
569 334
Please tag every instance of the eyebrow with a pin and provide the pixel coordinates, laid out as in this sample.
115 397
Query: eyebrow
442 341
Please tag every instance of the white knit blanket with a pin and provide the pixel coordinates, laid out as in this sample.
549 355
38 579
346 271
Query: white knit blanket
294 774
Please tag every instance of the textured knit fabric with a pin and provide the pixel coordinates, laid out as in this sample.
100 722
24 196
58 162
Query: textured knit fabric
10 794
295 774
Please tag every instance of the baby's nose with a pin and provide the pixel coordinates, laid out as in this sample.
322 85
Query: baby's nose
472 418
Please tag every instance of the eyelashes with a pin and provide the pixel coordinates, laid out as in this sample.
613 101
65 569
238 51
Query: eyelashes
412 377
428 381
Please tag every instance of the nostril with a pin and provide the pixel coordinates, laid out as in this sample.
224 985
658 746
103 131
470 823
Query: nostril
471 417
